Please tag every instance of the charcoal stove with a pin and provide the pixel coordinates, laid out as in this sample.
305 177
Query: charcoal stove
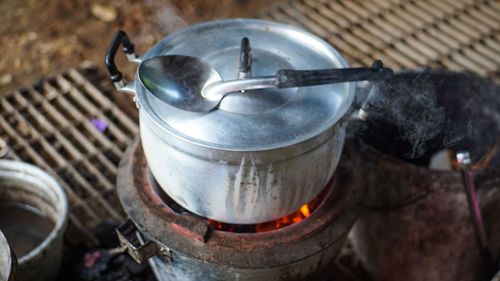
185 246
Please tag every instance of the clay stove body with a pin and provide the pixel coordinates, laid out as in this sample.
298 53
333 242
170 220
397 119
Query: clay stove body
184 246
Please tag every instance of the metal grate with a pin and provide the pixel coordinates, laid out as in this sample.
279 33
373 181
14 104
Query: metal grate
458 35
49 124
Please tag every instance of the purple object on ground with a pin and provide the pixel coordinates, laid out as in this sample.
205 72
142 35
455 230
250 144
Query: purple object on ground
99 124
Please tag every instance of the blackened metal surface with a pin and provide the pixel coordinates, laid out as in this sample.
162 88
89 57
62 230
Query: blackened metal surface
417 224
296 252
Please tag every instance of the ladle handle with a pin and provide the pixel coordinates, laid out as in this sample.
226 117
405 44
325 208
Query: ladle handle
464 161
287 78
120 38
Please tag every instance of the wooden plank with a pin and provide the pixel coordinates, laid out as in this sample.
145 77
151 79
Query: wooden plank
478 16
328 13
429 40
314 15
410 33
422 47
487 52
398 22
349 15
401 59
493 44
437 13
480 59
464 28
411 53
469 64
445 38
488 11
305 21
419 13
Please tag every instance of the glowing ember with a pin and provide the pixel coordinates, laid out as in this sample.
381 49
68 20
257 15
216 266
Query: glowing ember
299 215
304 212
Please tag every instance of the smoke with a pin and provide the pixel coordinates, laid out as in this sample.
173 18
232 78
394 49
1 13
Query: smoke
412 108
416 113
169 20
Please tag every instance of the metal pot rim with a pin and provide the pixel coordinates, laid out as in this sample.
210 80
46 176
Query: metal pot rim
152 106
34 175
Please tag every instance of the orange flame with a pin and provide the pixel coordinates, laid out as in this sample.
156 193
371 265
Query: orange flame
305 210
297 216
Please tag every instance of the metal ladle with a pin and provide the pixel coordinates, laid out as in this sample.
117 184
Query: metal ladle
464 161
191 84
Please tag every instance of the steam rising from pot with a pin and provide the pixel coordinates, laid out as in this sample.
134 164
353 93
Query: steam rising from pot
169 19
416 113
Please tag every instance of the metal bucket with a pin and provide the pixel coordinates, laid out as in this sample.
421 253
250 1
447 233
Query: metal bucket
25 184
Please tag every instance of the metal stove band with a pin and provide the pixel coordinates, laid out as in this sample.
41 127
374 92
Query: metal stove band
190 248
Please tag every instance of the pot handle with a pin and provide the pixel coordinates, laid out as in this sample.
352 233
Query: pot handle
288 78
116 76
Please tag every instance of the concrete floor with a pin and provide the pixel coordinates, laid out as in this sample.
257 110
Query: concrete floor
40 38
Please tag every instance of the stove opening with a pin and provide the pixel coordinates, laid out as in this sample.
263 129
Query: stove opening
293 218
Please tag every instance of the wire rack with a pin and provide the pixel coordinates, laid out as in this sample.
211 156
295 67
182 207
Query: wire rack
460 35
50 124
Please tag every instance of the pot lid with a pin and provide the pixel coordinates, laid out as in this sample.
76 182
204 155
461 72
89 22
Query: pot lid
258 119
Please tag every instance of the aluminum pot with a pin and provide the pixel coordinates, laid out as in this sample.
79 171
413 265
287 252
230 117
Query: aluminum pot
260 155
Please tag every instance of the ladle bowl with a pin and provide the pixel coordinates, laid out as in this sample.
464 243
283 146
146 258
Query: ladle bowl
191 84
